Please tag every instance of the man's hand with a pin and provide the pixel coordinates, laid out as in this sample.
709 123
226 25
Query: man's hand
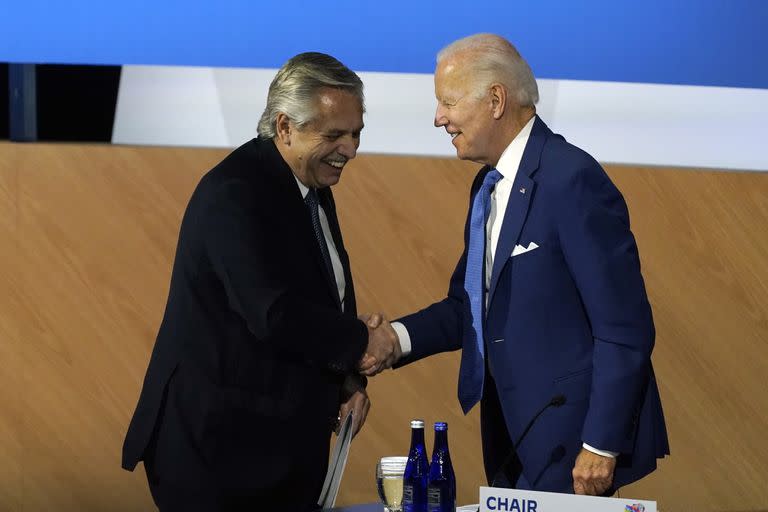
383 345
354 398
592 473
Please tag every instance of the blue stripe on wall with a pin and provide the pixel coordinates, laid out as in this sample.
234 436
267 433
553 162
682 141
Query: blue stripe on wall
691 42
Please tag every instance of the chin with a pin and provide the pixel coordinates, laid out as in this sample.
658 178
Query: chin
332 180
461 155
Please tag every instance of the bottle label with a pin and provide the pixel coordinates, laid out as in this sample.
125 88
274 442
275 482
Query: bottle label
434 499
407 494
439 499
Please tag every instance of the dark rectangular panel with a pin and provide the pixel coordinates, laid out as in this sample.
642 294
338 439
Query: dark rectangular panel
22 102
76 103
4 102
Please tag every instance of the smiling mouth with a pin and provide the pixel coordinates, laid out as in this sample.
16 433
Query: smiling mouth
337 164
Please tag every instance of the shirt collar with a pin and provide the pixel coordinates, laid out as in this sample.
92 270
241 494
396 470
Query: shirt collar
511 157
302 187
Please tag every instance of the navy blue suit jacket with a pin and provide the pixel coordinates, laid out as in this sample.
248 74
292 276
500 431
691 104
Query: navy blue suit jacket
570 317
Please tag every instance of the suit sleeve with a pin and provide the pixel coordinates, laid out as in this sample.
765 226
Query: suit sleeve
602 256
275 308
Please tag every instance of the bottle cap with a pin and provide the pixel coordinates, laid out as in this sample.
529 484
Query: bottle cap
417 423
441 425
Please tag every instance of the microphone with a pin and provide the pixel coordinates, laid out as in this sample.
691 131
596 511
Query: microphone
556 401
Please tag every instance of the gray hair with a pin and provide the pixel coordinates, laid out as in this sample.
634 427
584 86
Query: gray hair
496 60
294 89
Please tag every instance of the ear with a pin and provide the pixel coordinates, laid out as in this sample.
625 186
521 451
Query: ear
283 128
498 100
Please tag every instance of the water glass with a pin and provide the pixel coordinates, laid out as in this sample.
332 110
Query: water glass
389 482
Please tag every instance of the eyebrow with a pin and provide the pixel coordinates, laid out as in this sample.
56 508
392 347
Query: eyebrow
337 131
449 96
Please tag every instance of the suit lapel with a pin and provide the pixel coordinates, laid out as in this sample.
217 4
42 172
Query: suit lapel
326 201
297 213
519 201
350 307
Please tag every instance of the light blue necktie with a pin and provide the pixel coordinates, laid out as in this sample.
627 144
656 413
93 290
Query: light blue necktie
471 373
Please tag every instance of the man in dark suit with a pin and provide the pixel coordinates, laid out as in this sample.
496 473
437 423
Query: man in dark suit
547 301
258 351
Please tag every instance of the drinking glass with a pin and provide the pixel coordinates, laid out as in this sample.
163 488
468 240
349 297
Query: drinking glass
389 482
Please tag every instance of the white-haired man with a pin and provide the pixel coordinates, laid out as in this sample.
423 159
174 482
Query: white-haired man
547 301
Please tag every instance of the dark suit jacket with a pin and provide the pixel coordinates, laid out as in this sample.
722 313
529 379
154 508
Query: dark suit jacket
570 317
243 385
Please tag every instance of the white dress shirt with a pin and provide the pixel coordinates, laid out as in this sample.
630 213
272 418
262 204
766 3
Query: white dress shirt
508 164
338 269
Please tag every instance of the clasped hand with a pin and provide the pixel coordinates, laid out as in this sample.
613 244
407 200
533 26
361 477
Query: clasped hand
593 473
383 345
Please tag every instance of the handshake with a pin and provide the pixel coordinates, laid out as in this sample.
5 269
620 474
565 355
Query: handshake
383 345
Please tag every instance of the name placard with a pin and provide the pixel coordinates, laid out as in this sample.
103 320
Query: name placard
493 499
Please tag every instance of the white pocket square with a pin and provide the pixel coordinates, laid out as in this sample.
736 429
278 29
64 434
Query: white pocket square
519 249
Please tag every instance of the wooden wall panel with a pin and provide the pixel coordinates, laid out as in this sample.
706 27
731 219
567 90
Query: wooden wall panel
703 239
89 234
97 230
11 367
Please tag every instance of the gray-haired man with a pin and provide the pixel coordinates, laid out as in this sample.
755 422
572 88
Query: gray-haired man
259 346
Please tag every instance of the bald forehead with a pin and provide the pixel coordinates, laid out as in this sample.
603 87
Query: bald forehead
459 60
455 68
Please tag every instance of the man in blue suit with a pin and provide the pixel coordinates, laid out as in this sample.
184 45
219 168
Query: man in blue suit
547 301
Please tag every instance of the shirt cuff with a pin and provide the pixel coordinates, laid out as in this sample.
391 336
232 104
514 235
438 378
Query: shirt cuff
403 336
604 453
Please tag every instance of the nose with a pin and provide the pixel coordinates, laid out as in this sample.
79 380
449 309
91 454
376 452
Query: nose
348 146
440 118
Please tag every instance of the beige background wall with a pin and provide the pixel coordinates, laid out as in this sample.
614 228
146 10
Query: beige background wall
88 235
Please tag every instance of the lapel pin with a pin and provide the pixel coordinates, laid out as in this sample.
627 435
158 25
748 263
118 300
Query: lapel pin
522 190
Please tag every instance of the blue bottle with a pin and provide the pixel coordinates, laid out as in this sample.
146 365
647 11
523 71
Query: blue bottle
416 471
441 484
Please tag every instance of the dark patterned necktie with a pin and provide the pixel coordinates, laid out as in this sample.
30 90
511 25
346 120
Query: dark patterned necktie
312 202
